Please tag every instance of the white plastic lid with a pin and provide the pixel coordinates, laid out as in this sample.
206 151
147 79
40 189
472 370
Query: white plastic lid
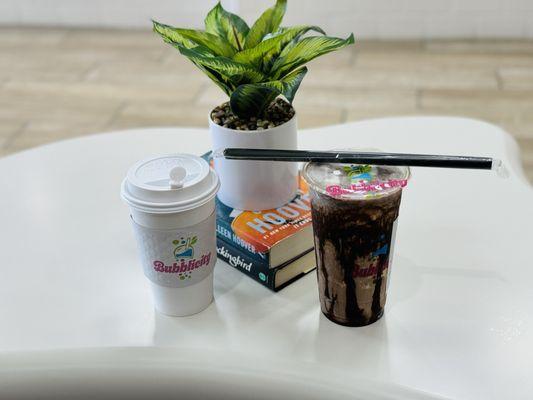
169 184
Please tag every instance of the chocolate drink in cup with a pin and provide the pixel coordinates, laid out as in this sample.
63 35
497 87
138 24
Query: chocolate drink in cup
354 212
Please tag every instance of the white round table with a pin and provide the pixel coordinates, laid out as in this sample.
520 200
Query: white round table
76 312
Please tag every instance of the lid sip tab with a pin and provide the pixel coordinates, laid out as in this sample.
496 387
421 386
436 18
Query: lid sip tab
177 177
169 184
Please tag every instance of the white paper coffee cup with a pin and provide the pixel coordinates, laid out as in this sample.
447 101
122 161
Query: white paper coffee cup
172 205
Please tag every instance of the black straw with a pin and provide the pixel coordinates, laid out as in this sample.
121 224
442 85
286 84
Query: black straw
398 159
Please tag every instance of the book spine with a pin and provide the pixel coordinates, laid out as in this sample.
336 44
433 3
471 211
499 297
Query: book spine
226 234
259 271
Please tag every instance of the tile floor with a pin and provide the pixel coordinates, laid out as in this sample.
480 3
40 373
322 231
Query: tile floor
61 83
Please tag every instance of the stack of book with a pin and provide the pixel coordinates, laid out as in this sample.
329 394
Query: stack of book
273 247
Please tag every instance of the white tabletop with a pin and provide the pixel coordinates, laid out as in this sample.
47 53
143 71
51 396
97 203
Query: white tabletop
459 315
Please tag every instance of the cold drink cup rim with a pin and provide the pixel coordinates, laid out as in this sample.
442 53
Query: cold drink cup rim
355 181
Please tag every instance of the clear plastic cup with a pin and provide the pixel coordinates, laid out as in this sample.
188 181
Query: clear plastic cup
354 211
172 206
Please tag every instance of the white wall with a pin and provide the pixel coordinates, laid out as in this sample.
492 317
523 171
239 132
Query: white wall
366 18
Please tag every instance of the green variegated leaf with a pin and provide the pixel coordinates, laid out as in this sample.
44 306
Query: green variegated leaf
226 25
289 84
293 32
268 22
218 79
251 100
300 52
252 65
263 55
217 45
224 66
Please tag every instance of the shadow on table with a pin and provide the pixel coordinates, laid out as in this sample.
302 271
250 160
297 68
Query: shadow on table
364 349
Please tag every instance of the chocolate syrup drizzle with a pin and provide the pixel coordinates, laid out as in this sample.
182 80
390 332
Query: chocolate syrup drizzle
355 228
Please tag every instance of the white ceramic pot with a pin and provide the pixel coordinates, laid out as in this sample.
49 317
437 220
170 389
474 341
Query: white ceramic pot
256 185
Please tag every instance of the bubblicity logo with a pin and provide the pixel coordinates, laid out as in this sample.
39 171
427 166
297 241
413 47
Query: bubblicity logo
184 247
183 268
365 187
358 172
185 261
372 264
361 182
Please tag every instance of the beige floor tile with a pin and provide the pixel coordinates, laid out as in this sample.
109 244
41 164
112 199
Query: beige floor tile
37 107
520 126
5 152
50 96
526 147
211 96
314 117
517 78
510 112
496 46
140 114
515 125
38 133
8 129
23 64
485 99
9 126
390 46
355 98
48 116
526 150
31 74
415 59
126 39
12 37
59 65
185 91
358 114
424 76
520 130
80 55
478 109
146 73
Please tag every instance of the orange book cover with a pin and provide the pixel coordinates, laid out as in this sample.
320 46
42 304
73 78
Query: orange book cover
263 229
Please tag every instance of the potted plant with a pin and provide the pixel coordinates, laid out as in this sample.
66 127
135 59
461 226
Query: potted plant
260 68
